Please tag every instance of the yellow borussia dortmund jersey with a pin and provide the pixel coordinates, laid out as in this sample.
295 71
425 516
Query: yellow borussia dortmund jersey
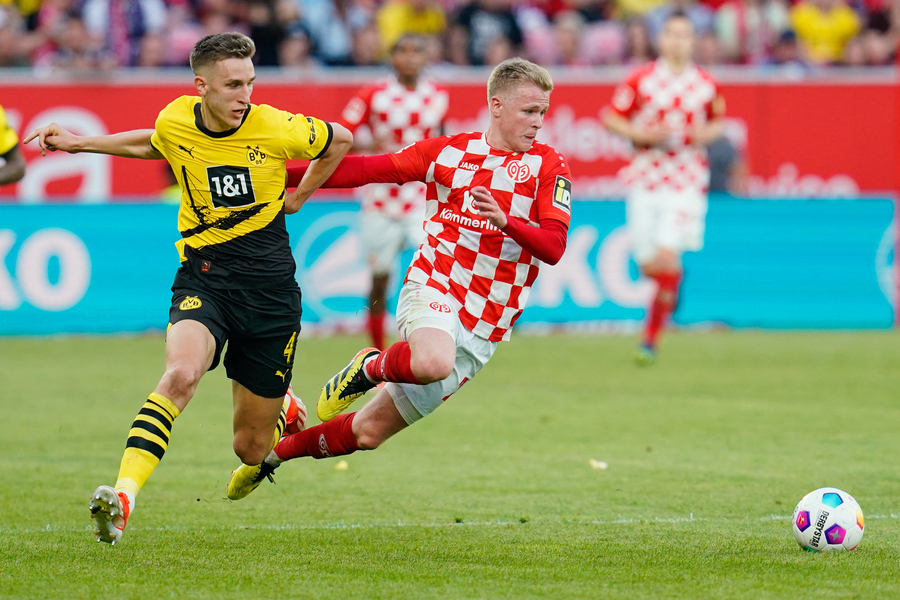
8 137
231 217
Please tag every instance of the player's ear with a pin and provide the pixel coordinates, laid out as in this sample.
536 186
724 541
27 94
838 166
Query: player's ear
200 84
495 105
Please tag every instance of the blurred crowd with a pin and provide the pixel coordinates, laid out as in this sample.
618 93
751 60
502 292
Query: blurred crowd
109 34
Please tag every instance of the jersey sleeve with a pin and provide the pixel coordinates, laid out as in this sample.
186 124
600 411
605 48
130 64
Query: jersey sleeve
158 136
305 137
358 109
8 137
554 193
625 99
414 161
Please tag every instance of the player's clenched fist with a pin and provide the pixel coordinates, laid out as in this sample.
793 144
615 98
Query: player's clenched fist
53 137
487 206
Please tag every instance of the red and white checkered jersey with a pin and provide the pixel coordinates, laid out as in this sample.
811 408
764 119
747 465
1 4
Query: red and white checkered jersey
654 95
397 117
484 272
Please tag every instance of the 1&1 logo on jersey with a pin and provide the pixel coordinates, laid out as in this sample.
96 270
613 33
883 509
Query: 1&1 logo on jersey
230 187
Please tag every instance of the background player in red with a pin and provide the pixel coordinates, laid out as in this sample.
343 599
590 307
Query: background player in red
671 110
402 109
498 206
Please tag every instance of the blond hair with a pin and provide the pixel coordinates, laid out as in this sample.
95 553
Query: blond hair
516 71
221 46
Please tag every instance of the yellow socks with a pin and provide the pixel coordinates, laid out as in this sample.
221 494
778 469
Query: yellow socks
147 443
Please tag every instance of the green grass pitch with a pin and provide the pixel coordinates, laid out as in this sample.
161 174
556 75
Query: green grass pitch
493 496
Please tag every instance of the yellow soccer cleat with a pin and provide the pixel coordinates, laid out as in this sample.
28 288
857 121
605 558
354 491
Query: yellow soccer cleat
345 387
247 478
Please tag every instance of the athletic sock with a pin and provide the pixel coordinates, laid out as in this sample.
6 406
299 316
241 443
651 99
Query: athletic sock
392 365
331 438
376 329
662 306
147 443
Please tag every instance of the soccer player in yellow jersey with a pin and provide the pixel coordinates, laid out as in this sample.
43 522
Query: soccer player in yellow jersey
236 281
13 168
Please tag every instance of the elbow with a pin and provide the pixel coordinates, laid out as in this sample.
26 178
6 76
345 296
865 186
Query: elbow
12 173
553 259
18 173
15 167
341 140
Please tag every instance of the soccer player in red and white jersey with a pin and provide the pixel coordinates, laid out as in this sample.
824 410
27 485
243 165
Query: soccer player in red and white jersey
671 110
398 111
498 206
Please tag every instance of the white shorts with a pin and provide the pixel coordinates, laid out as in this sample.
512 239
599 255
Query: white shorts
421 306
384 238
665 219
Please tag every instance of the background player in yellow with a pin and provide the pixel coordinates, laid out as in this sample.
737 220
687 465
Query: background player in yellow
236 282
13 169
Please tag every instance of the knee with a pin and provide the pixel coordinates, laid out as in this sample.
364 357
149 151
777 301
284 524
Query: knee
368 437
251 450
180 380
368 441
434 367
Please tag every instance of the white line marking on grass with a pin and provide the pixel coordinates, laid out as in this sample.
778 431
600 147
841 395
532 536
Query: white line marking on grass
400 524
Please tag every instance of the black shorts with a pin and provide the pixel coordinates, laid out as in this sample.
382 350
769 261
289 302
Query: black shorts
260 326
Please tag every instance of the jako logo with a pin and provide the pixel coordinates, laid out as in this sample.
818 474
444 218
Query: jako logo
468 166
439 307
518 171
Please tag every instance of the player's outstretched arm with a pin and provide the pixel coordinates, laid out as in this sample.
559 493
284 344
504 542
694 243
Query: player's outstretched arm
320 169
354 171
129 144
14 169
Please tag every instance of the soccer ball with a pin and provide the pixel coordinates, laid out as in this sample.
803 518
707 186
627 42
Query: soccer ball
828 520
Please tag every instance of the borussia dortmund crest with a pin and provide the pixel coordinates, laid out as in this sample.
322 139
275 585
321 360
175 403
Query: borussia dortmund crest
190 303
256 156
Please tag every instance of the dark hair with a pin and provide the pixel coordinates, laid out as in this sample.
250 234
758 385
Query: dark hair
220 46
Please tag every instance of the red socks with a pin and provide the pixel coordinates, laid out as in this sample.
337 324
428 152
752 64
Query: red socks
392 365
332 438
662 306
376 329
